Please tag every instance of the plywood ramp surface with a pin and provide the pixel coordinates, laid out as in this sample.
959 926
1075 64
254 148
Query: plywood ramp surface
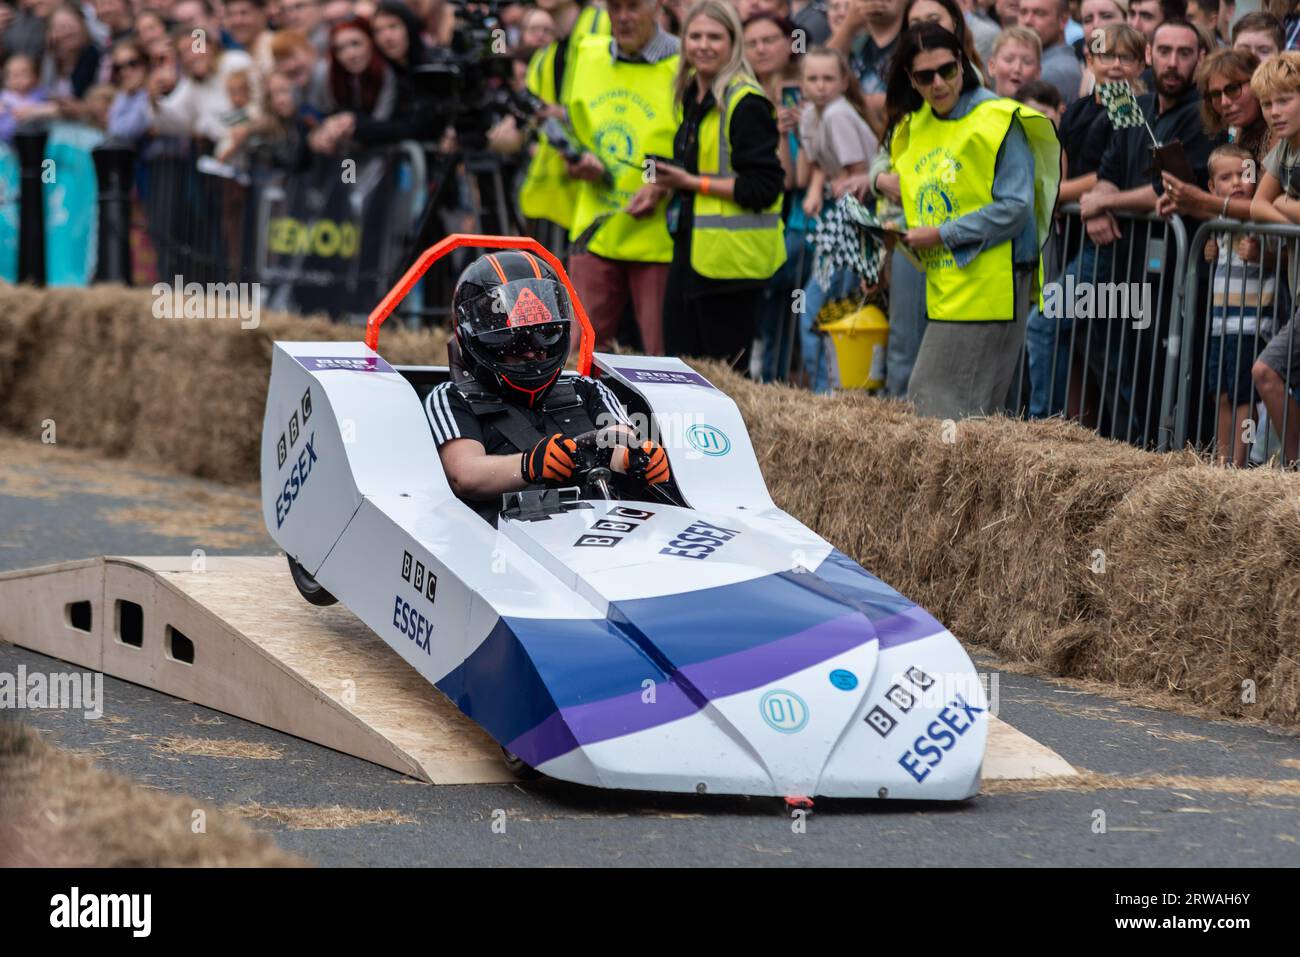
1012 755
262 653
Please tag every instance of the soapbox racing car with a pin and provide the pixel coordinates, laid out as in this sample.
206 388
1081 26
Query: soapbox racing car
698 640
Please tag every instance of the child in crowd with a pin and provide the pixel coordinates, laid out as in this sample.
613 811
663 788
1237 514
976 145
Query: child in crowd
1276 83
1115 53
281 132
22 97
237 120
1017 59
837 144
98 100
1241 320
1044 97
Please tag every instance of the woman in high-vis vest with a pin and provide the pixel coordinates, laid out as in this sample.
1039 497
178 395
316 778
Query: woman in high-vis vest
978 176
726 185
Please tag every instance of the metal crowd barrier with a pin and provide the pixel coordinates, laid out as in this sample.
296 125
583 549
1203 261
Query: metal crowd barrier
197 221
321 239
1104 349
1249 311
1137 341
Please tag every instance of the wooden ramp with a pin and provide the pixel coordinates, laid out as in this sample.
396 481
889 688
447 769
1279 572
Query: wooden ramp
235 636
256 650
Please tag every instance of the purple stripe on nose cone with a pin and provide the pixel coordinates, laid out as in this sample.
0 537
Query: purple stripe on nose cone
726 675
911 625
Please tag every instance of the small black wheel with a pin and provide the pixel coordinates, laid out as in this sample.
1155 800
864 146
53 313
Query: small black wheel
519 768
307 586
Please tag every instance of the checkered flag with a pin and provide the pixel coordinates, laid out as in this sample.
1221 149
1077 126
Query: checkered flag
844 239
1122 107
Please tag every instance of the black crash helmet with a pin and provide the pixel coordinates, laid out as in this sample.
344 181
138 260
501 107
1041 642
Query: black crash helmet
513 321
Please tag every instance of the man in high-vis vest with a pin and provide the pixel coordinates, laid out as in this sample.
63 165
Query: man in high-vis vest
547 191
621 108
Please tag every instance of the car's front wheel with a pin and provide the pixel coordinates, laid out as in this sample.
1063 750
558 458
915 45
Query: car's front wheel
518 767
307 586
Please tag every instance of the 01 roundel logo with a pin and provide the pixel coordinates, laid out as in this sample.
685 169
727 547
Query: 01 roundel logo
784 710
707 439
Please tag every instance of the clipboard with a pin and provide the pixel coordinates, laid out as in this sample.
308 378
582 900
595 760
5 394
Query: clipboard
908 252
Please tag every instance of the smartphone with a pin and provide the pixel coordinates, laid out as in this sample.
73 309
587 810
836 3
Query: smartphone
1172 159
791 95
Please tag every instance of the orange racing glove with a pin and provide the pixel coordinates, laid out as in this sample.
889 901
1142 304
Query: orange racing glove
549 461
649 462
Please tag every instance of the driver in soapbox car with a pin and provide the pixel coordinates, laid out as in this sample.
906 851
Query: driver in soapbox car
506 420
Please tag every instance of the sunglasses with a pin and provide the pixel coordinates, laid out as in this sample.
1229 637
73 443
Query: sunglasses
926 77
1231 91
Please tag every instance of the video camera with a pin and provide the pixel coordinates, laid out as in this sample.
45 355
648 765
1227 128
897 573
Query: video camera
469 85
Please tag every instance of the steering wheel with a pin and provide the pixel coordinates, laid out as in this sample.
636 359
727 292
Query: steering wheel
591 471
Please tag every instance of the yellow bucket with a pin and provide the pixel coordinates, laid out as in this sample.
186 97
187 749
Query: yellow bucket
860 339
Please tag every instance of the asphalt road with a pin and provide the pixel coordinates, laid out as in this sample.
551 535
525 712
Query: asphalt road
1236 803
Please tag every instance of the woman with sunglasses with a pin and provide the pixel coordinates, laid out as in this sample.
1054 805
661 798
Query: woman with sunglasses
129 116
1231 114
978 175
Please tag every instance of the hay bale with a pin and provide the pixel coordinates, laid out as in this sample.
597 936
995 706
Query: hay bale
57 809
184 393
1202 590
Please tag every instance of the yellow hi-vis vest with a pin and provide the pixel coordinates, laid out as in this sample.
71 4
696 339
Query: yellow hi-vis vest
547 191
621 111
729 241
945 170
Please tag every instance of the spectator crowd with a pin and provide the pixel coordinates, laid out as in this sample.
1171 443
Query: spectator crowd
728 170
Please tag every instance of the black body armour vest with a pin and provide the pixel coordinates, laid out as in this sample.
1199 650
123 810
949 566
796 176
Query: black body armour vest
508 428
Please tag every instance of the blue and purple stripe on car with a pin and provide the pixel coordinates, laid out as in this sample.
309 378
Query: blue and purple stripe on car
543 687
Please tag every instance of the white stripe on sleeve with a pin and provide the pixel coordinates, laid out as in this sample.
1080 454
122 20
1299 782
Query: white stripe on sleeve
611 402
438 408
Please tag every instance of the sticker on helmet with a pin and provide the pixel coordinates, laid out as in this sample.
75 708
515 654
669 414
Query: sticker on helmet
529 310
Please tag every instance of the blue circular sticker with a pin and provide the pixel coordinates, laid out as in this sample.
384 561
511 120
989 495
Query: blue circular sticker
784 710
709 440
844 680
